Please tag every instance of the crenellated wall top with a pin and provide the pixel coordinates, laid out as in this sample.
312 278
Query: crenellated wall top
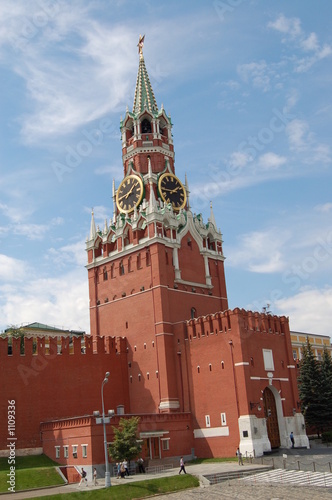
61 346
224 321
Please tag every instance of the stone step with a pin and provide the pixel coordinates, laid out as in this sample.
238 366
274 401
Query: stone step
234 474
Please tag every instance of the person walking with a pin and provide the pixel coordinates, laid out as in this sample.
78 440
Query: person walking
182 466
239 456
125 464
95 476
291 437
83 477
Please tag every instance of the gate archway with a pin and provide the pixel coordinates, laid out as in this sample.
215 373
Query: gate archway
272 425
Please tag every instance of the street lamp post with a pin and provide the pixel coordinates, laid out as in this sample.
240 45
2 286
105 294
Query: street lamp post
107 467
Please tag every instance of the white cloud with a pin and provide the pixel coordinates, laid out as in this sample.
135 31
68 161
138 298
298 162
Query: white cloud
257 73
74 83
305 63
73 254
311 42
61 85
238 159
297 132
100 212
112 171
302 140
310 310
260 251
61 301
12 269
291 28
325 208
31 230
271 160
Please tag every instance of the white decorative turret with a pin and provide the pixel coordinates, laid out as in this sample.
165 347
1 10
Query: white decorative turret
187 190
152 198
114 199
92 227
212 219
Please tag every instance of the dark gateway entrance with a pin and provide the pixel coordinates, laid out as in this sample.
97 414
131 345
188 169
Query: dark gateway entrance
271 418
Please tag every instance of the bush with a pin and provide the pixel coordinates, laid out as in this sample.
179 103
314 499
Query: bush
327 437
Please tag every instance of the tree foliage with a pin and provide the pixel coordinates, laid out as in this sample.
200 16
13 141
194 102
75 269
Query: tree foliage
126 442
315 389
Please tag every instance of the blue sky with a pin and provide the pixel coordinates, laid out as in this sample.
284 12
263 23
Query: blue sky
248 85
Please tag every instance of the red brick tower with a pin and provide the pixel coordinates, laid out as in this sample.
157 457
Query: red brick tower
156 264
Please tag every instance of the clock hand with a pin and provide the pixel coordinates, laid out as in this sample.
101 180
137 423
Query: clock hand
130 190
172 190
127 194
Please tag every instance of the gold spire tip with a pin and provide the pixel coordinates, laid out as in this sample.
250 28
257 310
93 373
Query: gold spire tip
140 45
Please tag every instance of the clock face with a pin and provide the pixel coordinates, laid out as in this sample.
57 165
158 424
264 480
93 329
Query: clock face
172 191
130 193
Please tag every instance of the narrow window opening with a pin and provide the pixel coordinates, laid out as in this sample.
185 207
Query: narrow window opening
105 274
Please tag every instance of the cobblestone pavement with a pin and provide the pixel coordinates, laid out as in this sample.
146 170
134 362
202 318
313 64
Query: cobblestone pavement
237 490
292 478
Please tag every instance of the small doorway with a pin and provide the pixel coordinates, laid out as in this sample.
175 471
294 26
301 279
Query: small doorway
154 447
145 448
272 424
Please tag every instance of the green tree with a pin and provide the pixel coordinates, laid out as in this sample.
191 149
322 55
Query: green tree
126 442
15 332
326 390
309 385
315 389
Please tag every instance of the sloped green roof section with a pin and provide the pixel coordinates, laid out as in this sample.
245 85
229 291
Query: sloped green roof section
42 327
144 96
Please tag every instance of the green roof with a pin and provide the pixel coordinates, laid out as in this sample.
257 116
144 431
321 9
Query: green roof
144 96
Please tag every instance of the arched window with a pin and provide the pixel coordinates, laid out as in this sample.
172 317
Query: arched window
121 267
147 257
105 274
193 313
146 126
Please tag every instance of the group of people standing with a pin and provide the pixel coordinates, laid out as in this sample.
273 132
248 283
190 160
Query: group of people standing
122 469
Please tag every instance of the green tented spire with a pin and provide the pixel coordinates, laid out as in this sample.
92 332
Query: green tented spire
144 96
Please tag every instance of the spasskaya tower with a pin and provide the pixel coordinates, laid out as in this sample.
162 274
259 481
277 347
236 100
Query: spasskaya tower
155 264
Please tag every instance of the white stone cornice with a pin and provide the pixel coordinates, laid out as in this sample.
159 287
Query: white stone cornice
193 284
148 149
